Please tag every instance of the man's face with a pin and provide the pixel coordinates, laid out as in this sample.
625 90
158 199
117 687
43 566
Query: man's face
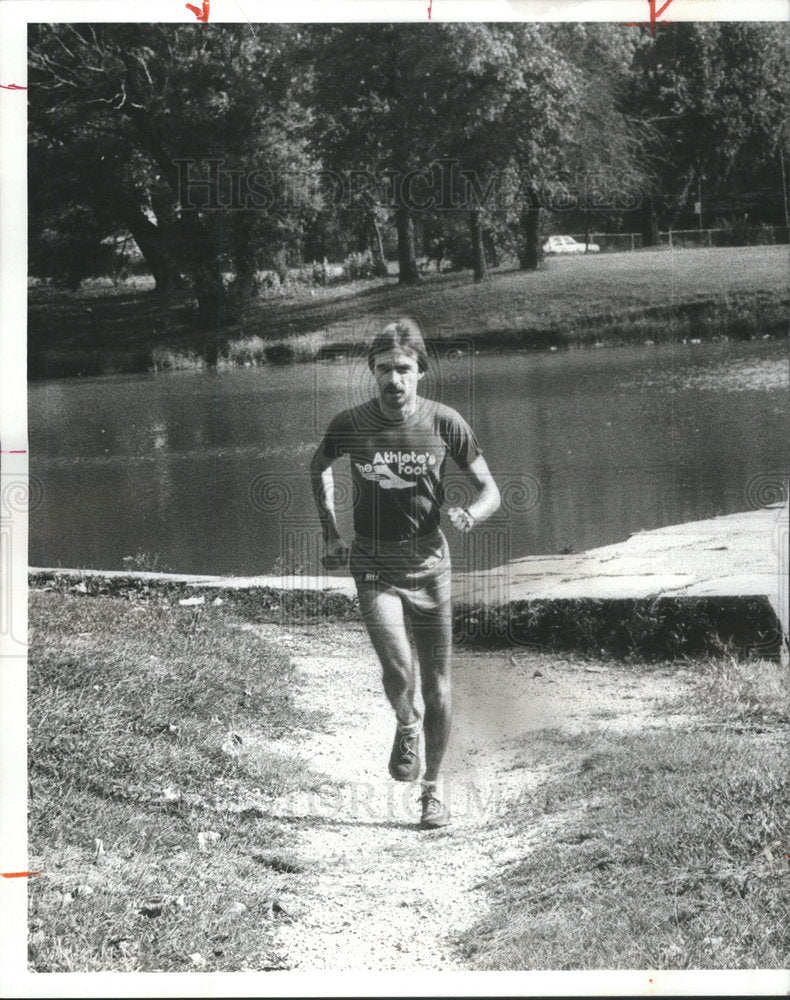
397 374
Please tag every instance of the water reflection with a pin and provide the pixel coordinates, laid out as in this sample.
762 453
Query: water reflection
614 442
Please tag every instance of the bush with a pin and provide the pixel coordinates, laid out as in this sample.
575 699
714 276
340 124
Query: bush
165 359
359 266
269 283
320 273
742 233
72 251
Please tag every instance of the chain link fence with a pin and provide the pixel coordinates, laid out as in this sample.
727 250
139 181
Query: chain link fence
679 238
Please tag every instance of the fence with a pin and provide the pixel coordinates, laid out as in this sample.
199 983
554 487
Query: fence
612 242
737 236
677 238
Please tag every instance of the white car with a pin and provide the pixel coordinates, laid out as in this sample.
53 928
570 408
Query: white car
567 244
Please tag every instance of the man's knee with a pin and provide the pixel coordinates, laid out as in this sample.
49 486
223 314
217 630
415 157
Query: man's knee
436 689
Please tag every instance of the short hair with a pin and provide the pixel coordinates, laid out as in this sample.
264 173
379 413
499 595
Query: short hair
405 335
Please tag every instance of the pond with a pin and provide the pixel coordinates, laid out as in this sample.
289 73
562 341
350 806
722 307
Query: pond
207 473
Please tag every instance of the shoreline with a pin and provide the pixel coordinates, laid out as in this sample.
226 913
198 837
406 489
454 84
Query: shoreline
696 589
692 322
618 299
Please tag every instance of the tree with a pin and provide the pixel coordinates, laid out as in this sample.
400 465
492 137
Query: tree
366 128
605 151
397 103
213 133
715 97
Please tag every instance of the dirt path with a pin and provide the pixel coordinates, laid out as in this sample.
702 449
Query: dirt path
380 893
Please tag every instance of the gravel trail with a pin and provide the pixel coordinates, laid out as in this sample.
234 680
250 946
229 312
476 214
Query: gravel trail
378 893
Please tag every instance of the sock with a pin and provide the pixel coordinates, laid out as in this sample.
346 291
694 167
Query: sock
428 787
412 726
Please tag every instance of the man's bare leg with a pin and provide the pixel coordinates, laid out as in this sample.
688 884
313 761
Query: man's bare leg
382 612
433 641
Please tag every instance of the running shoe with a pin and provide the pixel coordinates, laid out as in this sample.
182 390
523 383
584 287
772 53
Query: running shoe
405 757
434 814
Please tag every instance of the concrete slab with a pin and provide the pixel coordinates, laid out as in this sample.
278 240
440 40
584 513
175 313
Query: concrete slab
614 587
740 545
325 584
743 585
739 557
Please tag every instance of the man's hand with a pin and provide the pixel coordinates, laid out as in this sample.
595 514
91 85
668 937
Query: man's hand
461 519
336 555
485 500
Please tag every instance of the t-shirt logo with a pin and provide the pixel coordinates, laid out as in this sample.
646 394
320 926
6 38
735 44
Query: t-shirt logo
410 463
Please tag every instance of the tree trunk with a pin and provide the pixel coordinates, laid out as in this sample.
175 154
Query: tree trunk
648 223
196 242
149 240
479 266
407 259
377 247
529 254
211 296
239 292
245 281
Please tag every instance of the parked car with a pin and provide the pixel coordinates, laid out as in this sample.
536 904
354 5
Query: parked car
567 244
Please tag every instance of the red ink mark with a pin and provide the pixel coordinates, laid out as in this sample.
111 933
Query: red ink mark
202 15
11 86
654 16
19 874
12 452
430 7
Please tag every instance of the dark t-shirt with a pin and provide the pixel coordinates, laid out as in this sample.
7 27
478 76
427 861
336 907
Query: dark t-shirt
397 466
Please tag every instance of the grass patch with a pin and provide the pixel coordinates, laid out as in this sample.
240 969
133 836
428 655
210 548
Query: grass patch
651 628
153 734
735 292
666 849
256 605
643 630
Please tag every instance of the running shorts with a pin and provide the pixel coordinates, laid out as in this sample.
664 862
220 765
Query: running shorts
417 569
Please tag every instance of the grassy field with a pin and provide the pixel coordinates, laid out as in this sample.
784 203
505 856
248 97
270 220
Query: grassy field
145 808
661 850
160 735
612 298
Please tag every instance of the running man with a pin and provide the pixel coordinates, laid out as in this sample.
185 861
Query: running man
398 445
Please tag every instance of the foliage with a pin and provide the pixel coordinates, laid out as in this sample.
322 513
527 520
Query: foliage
358 266
72 249
159 100
336 139
715 97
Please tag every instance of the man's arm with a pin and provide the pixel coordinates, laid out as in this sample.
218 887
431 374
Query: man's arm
323 484
486 501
